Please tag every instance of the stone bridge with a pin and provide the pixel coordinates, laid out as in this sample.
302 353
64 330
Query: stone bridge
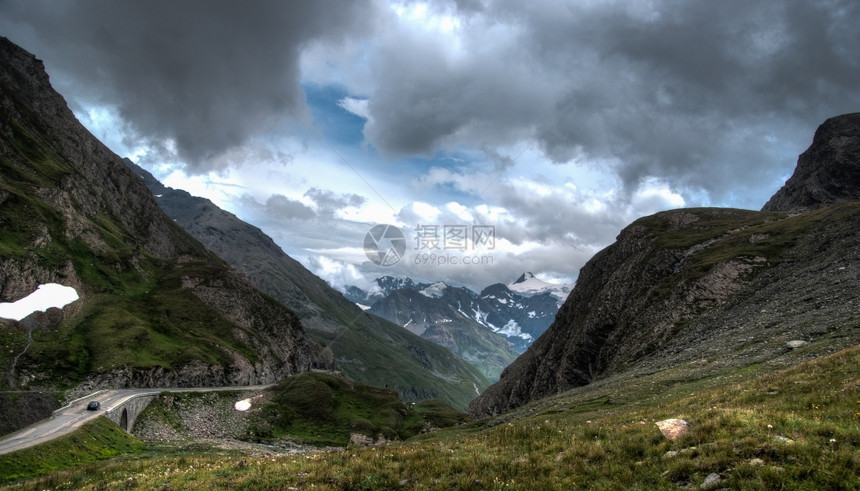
124 406
127 412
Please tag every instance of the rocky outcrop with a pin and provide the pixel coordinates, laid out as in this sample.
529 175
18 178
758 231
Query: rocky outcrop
827 172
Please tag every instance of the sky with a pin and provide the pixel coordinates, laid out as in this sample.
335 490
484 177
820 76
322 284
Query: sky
496 137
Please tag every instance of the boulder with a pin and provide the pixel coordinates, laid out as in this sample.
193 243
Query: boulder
673 429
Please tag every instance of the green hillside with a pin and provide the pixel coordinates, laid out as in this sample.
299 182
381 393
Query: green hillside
156 307
323 409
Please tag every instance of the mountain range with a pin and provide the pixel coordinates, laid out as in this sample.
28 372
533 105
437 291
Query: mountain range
488 329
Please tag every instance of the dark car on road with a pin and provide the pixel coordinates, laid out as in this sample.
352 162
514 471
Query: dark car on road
93 406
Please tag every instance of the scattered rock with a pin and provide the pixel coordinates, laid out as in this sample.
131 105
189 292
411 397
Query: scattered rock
756 462
673 429
757 238
366 441
782 439
797 343
683 451
712 481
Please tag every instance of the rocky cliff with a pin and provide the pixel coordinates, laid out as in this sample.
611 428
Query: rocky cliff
827 172
711 286
156 308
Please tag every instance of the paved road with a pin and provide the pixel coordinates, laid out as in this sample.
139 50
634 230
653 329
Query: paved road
71 417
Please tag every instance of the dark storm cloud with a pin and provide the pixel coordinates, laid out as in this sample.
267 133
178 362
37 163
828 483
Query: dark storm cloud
284 208
206 74
693 90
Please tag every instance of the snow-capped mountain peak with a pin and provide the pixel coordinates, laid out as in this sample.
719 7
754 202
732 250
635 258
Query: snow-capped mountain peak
528 284
519 312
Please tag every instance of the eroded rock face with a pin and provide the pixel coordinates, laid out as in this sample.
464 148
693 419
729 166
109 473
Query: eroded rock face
827 172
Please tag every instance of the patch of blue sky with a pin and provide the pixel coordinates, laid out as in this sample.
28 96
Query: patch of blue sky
339 126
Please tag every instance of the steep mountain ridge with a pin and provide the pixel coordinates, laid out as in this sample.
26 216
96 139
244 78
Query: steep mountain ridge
827 172
156 308
709 287
367 348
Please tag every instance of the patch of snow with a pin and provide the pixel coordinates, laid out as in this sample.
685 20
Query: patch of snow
45 297
243 405
476 388
512 329
503 301
481 317
410 322
532 314
159 195
362 306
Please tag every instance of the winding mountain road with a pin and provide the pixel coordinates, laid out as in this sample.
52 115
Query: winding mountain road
72 416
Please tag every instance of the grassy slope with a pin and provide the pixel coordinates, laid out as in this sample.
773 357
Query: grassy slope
322 409
372 349
778 232
797 428
96 441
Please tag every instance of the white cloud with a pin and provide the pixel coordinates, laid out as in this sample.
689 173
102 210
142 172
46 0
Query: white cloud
655 195
337 273
355 106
